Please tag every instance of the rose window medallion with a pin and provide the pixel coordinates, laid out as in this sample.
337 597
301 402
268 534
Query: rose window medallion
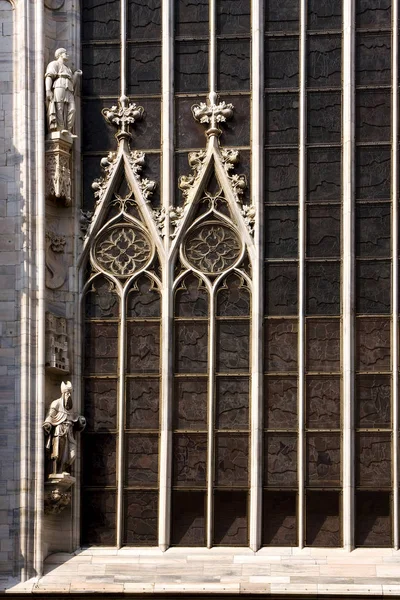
212 248
122 250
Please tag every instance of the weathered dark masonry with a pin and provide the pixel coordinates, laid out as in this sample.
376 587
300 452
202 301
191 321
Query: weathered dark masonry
199 251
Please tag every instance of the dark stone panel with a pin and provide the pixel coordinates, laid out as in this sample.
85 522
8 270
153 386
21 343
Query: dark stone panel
101 66
98 518
236 131
188 132
279 519
323 345
100 400
323 288
230 518
323 402
141 518
99 459
281 291
147 131
372 344
191 299
91 171
191 18
282 174
189 460
141 460
191 347
323 520
281 231
373 113
323 231
324 174
281 119
373 460
188 518
280 460
151 170
143 299
191 66
142 403
233 16
373 173
233 299
233 65
190 403
144 69
232 346
231 460
373 58
280 403
100 19
281 62
144 19
324 14
373 14
324 61
324 117
323 460
143 347
232 406
97 135
101 348
101 301
374 519
280 345
373 287
373 222
373 401
282 15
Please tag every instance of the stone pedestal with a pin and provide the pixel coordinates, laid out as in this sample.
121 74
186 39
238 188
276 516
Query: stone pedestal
58 167
57 493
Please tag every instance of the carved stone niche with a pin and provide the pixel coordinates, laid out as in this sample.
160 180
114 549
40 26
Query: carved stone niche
58 167
56 344
57 493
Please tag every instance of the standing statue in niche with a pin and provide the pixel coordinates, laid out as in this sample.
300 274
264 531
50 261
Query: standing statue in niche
60 425
60 93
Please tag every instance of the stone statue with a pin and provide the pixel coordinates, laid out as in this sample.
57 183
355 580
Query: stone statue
60 425
60 93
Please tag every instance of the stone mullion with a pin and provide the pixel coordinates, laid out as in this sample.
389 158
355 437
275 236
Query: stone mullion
395 272
167 189
257 196
348 333
301 290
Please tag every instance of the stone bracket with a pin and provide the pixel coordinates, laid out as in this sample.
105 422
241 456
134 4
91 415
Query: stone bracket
58 167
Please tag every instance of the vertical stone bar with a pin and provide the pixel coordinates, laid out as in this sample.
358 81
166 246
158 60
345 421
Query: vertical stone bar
41 290
210 419
302 217
395 272
121 417
257 196
167 179
212 58
348 102
123 47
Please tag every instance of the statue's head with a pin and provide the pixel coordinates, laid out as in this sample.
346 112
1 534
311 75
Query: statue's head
66 391
61 52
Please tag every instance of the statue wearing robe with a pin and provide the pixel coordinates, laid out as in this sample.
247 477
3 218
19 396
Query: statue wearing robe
60 425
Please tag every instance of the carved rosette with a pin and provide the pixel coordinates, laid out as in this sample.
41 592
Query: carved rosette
212 247
122 250
58 169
